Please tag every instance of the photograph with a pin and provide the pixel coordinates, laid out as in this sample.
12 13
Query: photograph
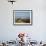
22 16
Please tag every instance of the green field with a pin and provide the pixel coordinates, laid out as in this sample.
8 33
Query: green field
22 20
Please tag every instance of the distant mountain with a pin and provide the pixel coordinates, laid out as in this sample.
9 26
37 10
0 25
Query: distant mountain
22 17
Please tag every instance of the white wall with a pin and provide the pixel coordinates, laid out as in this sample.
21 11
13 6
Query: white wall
38 30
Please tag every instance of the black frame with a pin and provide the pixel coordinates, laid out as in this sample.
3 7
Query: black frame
24 10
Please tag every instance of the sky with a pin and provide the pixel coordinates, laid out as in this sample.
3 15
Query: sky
25 15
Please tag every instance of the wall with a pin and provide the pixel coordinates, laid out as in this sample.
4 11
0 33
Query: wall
38 29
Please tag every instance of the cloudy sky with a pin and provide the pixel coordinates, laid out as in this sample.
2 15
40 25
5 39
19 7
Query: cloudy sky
25 15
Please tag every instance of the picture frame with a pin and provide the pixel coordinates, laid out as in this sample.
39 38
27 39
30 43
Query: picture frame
22 17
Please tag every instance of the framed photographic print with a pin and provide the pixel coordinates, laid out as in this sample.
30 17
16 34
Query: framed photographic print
22 17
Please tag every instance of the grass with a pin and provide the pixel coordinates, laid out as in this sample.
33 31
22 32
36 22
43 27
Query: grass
22 20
